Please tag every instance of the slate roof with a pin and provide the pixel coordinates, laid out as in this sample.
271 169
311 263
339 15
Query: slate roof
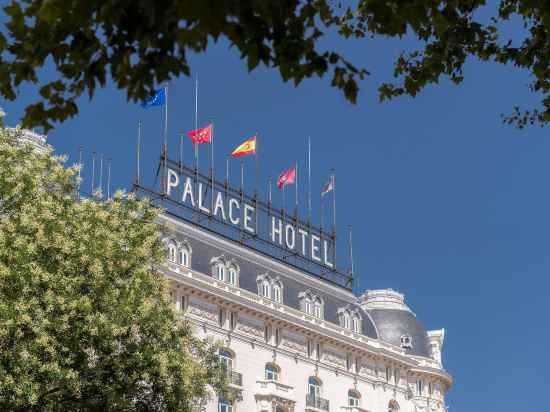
391 324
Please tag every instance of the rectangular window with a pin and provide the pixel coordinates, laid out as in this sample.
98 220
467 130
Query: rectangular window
309 348
267 333
430 388
183 303
277 336
348 361
388 374
419 387
221 317
318 351
233 320
396 376
357 365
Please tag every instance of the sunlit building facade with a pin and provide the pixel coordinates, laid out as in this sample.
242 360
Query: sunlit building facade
294 342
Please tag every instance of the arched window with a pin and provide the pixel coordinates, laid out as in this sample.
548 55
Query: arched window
271 372
393 406
353 398
318 308
277 295
172 252
220 271
232 276
226 359
183 257
266 289
356 324
225 405
308 305
346 320
314 387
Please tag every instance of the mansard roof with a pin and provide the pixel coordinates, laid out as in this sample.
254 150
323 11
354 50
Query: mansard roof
388 322
207 246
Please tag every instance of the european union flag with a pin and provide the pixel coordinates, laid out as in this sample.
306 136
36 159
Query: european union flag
158 99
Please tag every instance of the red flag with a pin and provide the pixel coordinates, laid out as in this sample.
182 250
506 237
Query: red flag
201 135
286 178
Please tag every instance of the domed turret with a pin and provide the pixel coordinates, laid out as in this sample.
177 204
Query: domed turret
395 321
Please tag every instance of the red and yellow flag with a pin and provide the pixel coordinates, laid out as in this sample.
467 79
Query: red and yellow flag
246 148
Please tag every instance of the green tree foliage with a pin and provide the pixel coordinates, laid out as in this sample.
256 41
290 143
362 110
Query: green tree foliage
85 323
142 43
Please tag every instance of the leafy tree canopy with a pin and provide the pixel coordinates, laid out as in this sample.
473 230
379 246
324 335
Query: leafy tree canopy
141 43
84 319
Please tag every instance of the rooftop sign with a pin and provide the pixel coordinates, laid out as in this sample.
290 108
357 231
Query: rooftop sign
232 213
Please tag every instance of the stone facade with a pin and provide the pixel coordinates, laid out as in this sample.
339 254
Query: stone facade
394 364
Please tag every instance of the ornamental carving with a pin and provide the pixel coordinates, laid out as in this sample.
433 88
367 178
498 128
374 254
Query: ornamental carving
203 310
250 326
332 355
294 342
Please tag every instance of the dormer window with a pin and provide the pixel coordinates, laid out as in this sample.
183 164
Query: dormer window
220 272
270 288
277 295
318 308
311 304
350 319
183 257
266 289
232 276
346 320
356 324
308 306
172 248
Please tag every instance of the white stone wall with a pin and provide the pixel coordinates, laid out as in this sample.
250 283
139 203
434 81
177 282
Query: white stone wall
246 339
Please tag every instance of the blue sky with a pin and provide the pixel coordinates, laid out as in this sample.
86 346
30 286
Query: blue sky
448 205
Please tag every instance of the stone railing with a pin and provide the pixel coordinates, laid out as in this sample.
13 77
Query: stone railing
317 403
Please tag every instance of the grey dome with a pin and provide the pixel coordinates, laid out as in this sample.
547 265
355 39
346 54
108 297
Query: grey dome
394 320
392 324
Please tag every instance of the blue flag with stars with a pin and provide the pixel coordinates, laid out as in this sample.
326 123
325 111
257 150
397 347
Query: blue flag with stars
158 99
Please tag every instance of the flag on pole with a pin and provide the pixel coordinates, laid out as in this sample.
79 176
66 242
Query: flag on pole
201 135
246 148
288 177
158 99
328 187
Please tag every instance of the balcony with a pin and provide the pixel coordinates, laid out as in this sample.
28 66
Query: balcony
270 388
234 378
353 409
315 403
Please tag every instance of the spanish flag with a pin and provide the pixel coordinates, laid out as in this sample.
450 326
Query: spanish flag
246 148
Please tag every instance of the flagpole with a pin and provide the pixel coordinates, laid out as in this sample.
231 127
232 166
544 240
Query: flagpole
226 171
195 144
101 175
212 171
165 139
257 180
93 173
242 178
309 180
334 213
138 150
350 244
269 189
296 187
80 148
109 160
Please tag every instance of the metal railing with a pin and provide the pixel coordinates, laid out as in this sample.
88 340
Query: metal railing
317 402
234 378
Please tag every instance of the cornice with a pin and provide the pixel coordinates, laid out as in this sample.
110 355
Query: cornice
356 342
